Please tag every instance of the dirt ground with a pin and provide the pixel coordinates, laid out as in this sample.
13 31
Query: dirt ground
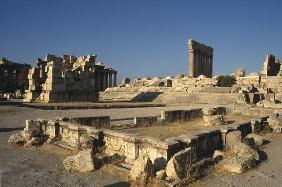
43 166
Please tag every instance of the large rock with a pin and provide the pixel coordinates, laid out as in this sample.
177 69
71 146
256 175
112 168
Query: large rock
142 171
214 120
84 161
178 166
274 124
243 150
236 164
17 138
233 138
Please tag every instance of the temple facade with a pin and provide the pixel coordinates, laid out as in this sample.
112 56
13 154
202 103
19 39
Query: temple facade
200 59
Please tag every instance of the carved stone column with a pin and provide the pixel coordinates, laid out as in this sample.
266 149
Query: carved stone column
110 80
115 79
192 58
106 85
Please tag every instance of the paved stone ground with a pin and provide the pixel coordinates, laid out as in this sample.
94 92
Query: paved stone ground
40 167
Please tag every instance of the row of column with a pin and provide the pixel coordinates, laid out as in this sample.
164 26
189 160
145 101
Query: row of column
104 80
200 64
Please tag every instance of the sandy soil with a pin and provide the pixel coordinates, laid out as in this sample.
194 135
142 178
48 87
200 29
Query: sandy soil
43 166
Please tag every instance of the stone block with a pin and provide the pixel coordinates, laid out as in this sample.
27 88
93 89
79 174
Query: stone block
233 138
178 166
148 120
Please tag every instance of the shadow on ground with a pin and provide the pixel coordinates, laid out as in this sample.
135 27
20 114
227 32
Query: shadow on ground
10 129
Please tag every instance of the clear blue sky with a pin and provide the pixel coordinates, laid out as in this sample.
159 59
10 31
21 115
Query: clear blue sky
143 38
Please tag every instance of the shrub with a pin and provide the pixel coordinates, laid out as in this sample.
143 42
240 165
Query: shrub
226 81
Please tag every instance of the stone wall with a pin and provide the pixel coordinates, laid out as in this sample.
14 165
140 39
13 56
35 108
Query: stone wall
202 143
68 78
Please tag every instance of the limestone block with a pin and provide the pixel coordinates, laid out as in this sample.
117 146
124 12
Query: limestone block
218 154
233 138
274 124
209 111
178 166
142 171
86 142
161 174
214 120
33 127
236 164
17 138
32 142
148 120
84 161
242 98
243 150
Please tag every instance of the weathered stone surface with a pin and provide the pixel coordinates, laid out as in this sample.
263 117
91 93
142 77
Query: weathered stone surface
243 150
214 120
240 72
259 140
161 174
209 111
142 171
32 142
200 59
67 78
32 127
84 161
17 138
233 138
274 124
236 164
218 154
178 166
242 98
86 142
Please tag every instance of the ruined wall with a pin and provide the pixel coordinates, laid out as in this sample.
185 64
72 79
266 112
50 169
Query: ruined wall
68 78
13 76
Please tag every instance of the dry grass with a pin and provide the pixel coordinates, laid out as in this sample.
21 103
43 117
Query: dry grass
164 131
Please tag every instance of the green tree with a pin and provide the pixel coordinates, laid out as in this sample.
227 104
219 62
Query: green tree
226 81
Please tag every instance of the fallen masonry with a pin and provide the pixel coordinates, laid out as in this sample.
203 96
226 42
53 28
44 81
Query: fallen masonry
172 160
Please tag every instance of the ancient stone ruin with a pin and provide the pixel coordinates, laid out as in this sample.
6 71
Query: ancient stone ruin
200 59
271 66
13 76
202 124
68 78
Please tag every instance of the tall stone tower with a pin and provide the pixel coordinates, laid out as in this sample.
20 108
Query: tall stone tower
200 59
